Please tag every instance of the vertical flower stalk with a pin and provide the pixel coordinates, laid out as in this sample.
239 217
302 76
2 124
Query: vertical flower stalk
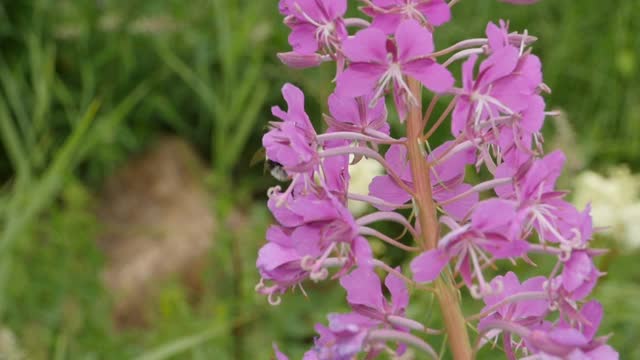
427 217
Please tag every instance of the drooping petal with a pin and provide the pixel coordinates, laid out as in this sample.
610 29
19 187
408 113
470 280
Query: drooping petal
492 214
344 109
272 255
592 313
385 188
399 293
459 208
302 38
432 75
451 168
363 288
359 79
577 270
533 116
428 265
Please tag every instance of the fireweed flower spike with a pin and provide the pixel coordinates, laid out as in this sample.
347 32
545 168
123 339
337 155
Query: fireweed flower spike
497 111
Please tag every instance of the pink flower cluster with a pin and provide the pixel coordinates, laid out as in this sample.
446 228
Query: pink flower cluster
496 111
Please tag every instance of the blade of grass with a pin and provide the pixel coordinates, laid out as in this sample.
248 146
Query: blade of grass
42 192
182 345
13 144
246 125
108 123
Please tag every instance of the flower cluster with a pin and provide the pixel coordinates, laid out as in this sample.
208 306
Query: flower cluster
462 229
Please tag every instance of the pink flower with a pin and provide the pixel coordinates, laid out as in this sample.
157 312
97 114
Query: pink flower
378 62
355 115
345 337
579 275
574 340
388 14
541 206
315 24
292 142
504 94
502 105
446 179
312 226
517 310
364 294
493 230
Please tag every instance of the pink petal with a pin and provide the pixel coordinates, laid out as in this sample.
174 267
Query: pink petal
499 64
272 255
396 156
363 288
577 271
428 265
385 3
369 45
496 35
437 12
399 292
303 39
335 8
467 72
432 75
400 101
362 251
309 8
457 209
359 79
295 105
385 188
344 109
413 41
454 166
533 116
386 22
460 116
279 354
592 312
492 214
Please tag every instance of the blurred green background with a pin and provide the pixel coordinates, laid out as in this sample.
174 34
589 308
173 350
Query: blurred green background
86 86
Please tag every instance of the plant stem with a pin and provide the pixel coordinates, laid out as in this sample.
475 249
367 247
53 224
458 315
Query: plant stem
427 217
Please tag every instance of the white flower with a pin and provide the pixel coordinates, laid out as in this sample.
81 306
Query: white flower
361 175
615 203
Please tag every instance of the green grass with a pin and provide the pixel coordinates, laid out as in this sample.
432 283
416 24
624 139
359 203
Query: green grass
85 85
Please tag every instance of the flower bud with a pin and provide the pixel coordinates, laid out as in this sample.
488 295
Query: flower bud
300 61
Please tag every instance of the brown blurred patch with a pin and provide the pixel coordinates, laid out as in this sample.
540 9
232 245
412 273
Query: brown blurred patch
158 225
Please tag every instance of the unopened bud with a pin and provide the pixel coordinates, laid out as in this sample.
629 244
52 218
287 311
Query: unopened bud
300 61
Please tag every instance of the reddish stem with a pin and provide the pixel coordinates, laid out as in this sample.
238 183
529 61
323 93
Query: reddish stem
427 216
